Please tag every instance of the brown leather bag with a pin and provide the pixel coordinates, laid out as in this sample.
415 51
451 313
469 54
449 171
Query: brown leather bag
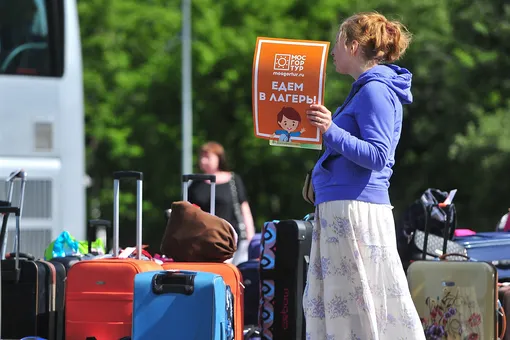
193 235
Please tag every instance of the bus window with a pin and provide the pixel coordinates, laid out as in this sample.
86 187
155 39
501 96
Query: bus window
25 38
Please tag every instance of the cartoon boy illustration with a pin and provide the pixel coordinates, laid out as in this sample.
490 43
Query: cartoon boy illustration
288 119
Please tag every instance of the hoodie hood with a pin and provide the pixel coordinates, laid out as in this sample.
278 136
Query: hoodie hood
395 77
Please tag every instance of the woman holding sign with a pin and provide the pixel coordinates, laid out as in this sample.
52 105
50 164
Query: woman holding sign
356 286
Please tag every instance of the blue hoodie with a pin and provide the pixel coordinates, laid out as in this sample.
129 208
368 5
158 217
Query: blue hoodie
360 144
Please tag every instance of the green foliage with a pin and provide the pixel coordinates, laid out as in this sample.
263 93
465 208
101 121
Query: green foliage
455 133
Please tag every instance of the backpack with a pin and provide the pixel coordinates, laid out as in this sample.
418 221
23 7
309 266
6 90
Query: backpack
415 216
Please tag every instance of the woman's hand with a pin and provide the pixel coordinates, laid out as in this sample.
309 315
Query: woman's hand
319 116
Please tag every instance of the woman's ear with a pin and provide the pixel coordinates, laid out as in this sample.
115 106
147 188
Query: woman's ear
354 47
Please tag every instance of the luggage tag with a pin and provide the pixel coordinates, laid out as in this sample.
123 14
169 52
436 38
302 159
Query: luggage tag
449 198
441 216
126 252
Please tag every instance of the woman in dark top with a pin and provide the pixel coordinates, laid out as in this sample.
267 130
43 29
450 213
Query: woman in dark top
213 161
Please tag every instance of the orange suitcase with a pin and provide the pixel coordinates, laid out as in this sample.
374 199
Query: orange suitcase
99 293
232 277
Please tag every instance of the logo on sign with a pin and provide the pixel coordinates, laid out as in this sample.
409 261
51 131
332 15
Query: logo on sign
289 62
282 62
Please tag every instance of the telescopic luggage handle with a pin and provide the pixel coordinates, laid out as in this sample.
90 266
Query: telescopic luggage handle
92 227
200 177
117 176
128 174
447 226
22 175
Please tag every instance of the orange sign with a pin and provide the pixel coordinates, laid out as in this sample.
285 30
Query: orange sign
288 76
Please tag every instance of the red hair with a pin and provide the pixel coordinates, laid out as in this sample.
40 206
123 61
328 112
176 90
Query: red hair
380 39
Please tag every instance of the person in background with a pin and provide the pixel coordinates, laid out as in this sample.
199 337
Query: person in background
356 285
213 161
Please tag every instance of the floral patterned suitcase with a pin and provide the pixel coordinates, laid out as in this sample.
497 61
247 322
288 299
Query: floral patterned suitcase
456 300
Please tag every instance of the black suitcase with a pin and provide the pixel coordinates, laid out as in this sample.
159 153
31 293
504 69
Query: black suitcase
25 295
32 290
32 297
284 261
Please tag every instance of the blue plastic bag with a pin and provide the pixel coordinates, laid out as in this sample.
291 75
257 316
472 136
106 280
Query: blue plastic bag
65 245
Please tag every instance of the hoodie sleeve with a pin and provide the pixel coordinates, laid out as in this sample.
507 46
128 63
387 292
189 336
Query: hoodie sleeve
375 115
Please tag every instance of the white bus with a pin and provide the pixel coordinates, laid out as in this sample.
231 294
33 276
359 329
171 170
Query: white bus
42 118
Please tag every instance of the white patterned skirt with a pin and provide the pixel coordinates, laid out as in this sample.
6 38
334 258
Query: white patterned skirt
356 287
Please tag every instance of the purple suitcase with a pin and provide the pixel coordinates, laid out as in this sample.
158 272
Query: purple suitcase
251 280
254 247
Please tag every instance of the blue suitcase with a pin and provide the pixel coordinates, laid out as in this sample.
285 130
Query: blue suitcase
182 305
492 247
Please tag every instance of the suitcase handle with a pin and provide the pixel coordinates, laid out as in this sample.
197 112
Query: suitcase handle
501 263
200 177
181 282
444 256
10 210
93 224
128 174
26 256
446 231
22 175
92 230
117 176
